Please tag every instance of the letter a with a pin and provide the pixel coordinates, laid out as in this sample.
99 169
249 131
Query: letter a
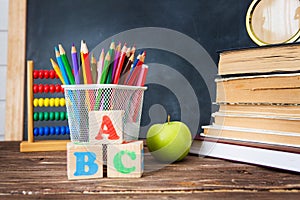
107 127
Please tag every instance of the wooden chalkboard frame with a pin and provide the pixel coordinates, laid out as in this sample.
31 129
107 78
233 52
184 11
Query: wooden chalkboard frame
15 82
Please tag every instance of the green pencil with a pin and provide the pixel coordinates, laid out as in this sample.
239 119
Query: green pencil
66 64
105 68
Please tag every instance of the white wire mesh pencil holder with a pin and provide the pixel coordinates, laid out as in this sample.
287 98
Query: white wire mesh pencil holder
82 99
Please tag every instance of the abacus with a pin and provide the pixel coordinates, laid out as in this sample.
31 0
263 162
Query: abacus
46 112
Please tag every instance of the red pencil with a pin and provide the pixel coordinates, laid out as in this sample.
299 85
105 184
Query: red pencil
85 53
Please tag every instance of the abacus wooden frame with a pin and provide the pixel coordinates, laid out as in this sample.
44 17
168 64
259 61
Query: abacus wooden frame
15 78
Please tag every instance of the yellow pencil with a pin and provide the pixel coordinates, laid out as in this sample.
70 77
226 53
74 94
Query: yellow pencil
57 70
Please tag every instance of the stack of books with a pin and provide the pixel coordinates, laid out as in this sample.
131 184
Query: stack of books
258 120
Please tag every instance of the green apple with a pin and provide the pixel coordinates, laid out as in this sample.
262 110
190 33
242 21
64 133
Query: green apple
169 142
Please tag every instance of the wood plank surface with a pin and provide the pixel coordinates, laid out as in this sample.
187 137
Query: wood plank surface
44 175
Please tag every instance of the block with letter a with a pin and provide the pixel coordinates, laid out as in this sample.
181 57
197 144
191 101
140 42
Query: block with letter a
84 161
106 127
125 160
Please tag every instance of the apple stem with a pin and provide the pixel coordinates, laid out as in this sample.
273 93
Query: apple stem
169 119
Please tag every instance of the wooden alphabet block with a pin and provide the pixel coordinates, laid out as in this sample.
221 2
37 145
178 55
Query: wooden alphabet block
125 160
84 161
106 127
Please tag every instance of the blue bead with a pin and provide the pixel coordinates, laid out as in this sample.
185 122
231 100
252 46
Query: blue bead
35 131
52 130
63 130
57 130
46 130
67 130
41 131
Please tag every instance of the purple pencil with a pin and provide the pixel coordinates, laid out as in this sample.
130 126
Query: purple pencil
116 60
75 64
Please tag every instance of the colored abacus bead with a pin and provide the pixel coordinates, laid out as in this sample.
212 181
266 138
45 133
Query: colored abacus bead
57 88
56 76
35 131
51 116
35 116
62 115
52 74
41 131
41 74
62 130
62 102
67 130
46 74
46 102
41 88
46 88
52 130
46 116
62 90
57 117
57 102
51 102
35 102
52 88
57 130
41 116
35 74
46 130
41 102
35 88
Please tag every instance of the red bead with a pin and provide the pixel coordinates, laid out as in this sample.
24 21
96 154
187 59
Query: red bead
52 74
41 88
46 74
57 88
35 74
35 88
41 74
46 88
56 76
52 88
62 90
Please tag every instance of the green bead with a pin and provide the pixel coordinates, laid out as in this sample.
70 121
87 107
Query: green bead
51 116
56 116
41 116
62 115
46 116
35 116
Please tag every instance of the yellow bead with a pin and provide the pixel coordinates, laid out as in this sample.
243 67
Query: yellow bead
62 102
46 102
41 102
51 102
35 102
56 102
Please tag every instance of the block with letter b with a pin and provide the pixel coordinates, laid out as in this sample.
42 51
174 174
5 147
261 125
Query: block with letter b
125 160
106 127
84 161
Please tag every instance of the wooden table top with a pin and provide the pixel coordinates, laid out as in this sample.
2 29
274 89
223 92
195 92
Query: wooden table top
44 175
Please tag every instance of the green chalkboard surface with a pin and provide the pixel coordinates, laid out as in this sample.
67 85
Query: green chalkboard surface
182 40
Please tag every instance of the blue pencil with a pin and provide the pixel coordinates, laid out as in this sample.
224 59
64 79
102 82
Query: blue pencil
61 66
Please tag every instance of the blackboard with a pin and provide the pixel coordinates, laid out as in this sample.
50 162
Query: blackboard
177 30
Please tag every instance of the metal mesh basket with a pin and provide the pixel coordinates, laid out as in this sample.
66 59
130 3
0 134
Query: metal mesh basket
82 99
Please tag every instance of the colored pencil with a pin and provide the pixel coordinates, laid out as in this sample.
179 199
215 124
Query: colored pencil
94 69
112 56
120 65
61 66
142 76
57 71
100 66
116 61
134 75
83 64
126 71
105 68
66 64
85 59
75 64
